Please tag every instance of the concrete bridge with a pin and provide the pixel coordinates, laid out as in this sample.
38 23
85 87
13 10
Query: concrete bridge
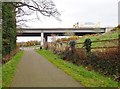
44 32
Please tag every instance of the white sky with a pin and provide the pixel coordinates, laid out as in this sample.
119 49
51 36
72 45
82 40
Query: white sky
82 11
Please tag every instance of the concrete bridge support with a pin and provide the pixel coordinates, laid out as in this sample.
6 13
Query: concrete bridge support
42 38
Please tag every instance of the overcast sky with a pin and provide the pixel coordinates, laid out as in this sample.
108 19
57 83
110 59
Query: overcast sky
82 11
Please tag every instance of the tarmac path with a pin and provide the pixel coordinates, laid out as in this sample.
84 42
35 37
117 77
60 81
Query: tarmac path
35 71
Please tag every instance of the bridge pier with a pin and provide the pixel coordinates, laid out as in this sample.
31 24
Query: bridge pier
42 38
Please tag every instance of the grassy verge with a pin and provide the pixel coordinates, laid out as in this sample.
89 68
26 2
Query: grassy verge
84 77
8 69
106 36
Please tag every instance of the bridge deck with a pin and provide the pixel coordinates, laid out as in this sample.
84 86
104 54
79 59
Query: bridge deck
35 31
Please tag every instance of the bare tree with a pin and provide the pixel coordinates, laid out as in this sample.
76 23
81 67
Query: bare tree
44 7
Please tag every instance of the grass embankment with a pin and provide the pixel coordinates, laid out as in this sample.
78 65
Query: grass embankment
105 36
86 78
9 69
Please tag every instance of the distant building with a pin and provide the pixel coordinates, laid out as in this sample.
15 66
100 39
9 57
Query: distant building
90 25
118 12
76 25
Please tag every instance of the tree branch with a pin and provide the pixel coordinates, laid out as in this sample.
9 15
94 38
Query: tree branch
44 7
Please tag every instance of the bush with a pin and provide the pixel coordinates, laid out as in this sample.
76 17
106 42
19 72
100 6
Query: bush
7 57
106 62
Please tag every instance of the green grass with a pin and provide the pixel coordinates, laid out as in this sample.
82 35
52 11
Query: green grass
79 73
9 69
106 36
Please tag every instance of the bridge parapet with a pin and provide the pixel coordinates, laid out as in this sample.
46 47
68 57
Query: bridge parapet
62 30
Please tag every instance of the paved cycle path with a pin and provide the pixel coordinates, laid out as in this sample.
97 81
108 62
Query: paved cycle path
35 71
